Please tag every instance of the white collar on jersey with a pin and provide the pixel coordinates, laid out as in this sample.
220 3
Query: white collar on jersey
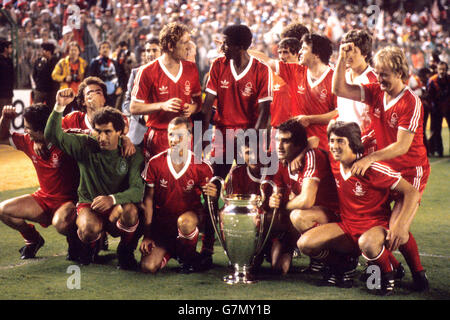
87 123
312 83
172 170
168 74
391 103
347 175
255 179
243 73
292 176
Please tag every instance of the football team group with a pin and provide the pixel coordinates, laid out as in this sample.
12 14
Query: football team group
350 163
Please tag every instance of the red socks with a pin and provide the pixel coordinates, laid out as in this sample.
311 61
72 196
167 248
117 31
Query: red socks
382 260
31 235
411 253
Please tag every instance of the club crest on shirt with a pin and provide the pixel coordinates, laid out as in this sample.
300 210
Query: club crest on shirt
163 183
190 185
55 163
122 167
187 88
323 95
276 87
359 191
163 90
248 90
224 84
394 120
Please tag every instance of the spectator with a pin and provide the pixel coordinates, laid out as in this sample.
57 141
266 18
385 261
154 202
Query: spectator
7 72
106 69
46 87
70 71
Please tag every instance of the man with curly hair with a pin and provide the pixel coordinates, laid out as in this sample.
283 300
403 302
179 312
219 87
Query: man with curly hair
166 88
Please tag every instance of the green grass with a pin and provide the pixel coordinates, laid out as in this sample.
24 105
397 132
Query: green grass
46 277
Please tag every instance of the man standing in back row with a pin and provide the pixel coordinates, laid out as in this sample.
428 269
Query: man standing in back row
166 88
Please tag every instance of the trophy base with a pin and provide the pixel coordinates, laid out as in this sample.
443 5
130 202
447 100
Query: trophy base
240 277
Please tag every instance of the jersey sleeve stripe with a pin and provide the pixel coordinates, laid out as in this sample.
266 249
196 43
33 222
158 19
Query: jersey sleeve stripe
214 93
136 84
416 116
311 164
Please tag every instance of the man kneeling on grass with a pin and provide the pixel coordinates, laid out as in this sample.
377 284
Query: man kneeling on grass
54 202
110 184
366 226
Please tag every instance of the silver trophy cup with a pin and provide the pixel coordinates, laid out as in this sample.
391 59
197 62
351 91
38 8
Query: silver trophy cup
242 229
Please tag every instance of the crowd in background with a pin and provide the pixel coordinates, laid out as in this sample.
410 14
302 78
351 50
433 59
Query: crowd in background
420 28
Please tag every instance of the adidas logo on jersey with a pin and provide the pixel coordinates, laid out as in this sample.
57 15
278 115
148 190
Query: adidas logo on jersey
301 89
163 183
276 87
163 90
224 84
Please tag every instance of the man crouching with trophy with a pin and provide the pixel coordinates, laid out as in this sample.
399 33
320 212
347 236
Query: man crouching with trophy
245 222
173 209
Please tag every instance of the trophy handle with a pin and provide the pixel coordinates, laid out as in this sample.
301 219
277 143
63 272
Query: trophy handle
212 214
274 190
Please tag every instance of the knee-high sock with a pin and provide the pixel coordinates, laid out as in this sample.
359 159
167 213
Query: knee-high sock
31 235
411 253
382 260
126 233
186 243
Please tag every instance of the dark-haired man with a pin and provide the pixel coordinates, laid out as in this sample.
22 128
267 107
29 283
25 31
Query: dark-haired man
53 202
241 84
310 85
365 213
137 122
110 184
166 88
46 87
307 193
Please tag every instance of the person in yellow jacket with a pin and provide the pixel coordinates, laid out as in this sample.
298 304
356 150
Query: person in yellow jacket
70 70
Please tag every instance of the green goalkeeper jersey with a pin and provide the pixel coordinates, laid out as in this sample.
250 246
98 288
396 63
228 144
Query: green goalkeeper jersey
102 172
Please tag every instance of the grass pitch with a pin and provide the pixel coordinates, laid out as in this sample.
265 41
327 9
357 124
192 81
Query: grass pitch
47 277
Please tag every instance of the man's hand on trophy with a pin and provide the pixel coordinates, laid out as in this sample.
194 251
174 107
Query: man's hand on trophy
275 200
210 189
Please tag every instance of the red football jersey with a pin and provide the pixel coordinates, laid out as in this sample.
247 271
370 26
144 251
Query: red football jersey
176 193
405 112
241 181
238 95
77 122
154 83
58 176
364 200
315 165
280 108
309 97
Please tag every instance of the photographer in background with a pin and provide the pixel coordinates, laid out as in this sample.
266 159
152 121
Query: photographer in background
125 63
106 69
70 71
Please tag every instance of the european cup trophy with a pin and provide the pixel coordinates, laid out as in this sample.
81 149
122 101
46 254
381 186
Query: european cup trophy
242 229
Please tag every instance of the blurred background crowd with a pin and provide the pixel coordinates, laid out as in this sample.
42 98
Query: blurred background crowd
420 27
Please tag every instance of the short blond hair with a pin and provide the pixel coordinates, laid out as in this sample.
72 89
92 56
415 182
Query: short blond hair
393 58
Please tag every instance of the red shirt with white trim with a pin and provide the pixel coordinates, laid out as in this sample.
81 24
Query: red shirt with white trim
238 95
405 112
364 200
309 97
176 192
77 122
315 165
280 108
154 83
58 175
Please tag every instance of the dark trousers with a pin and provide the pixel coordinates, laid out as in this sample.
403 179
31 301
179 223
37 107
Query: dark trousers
435 141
